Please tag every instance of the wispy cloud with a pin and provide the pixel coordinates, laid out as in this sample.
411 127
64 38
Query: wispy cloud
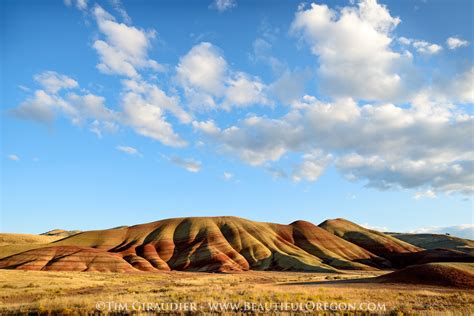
227 175
223 5
129 150
190 165
425 194
13 157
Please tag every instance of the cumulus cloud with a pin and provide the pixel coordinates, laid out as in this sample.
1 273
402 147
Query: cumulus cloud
462 231
190 165
13 157
125 48
457 88
207 81
147 119
243 90
129 150
353 50
424 47
456 42
312 167
52 82
223 5
202 71
432 142
40 107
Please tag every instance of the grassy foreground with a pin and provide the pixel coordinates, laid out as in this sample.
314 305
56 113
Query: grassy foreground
82 292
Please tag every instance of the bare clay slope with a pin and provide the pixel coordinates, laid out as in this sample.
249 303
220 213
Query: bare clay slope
202 244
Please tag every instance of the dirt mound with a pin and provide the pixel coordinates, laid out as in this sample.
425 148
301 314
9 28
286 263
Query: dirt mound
376 242
444 274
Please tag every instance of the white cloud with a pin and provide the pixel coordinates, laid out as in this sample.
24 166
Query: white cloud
426 145
462 231
155 96
377 228
129 150
23 88
244 91
80 4
190 165
53 82
207 81
99 127
425 194
424 47
223 5
227 175
42 107
13 157
456 42
405 41
202 69
125 49
147 119
353 49
118 7
312 167
458 88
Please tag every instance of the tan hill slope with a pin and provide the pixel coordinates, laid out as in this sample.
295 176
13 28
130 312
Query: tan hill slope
212 244
376 242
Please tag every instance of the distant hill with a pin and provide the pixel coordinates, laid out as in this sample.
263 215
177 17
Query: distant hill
433 241
61 233
15 243
223 244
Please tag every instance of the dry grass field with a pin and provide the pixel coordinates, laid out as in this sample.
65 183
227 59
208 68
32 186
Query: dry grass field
80 292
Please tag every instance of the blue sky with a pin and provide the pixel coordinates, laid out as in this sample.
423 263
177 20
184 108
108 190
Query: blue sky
117 113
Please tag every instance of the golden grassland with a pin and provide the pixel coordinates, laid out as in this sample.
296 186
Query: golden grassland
78 292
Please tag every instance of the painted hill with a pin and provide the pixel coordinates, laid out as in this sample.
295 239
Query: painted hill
68 258
433 241
376 242
202 244
224 244
445 274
